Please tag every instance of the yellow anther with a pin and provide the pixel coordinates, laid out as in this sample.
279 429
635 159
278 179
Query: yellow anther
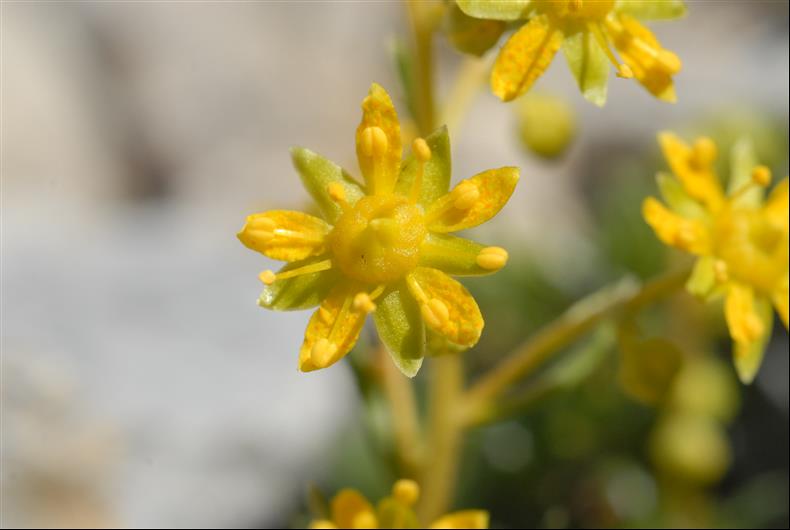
624 71
685 238
374 141
363 302
322 352
322 524
406 491
267 277
753 327
720 271
364 519
260 228
465 195
669 62
704 152
435 313
421 150
336 192
761 176
492 258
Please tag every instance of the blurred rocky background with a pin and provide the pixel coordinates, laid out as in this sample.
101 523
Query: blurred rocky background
141 384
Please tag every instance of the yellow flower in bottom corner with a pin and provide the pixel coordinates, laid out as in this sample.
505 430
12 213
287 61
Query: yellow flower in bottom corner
586 30
350 509
739 235
383 248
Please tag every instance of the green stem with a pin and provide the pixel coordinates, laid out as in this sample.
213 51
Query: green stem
423 21
444 437
545 344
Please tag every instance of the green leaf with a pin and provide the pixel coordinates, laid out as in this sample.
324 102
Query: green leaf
472 35
436 173
401 329
748 358
742 162
496 9
317 173
589 65
652 9
676 197
702 280
454 255
299 292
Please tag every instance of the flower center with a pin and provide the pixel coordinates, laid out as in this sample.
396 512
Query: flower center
589 10
378 239
754 248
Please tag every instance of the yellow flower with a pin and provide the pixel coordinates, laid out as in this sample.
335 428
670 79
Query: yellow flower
349 509
586 30
739 235
383 247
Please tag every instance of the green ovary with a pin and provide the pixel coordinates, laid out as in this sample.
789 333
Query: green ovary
378 239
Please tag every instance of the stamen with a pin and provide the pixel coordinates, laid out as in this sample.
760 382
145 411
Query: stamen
720 271
623 70
268 277
422 153
374 141
364 303
761 176
337 193
669 62
364 519
465 195
435 313
406 491
685 238
322 353
492 258
261 228
704 153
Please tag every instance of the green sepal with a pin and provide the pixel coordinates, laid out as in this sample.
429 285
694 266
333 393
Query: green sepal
300 292
702 280
453 255
401 329
496 9
588 64
436 173
652 9
317 173
749 357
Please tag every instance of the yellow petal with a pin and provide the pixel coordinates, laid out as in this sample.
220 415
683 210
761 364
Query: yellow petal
285 235
351 510
651 65
524 57
690 235
332 331
749 319
473 201
379 142
463 519
780 299
742 320
322 524
693 167
447 307
777 205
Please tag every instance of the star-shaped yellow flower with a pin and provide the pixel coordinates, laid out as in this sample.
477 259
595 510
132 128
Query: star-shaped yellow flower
585 30
740 236
383 247
350 509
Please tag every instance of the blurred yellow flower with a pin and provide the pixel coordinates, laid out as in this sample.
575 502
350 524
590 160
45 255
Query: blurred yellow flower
349 509
586 30
740 237
382 247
